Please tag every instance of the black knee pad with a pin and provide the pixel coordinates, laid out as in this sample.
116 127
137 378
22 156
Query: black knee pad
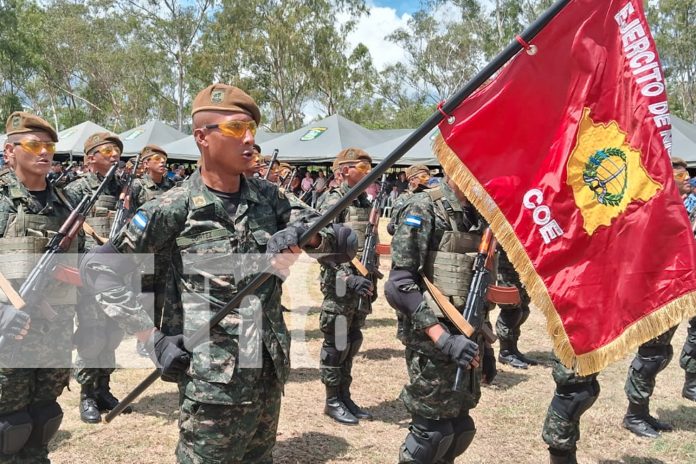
428 440
572 401
330 356
652 360
464 431
46 418
15 429
689 349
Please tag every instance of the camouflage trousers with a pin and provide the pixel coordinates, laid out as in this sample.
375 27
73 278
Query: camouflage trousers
342 340
511 317
96 350
573 396
687 359
234 434
652 357
22 388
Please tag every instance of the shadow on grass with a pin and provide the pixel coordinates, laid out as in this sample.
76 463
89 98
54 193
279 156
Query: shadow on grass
309 448
382 322
391 412
633 460
506 379
681 418
58 438
304 374
164 405
382 354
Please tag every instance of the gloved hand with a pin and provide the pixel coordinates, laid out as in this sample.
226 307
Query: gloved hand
459 348
284 239
346 246
13 323
169 355
360 285
488 365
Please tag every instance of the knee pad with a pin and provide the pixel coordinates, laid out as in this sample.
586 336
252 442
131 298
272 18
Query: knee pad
46 418
572 401
459 444
652 360
15 429
428 441
331 357
689 350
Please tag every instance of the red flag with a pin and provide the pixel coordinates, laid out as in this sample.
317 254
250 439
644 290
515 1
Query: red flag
566 154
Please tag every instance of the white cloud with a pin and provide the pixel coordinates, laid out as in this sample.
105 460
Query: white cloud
372 30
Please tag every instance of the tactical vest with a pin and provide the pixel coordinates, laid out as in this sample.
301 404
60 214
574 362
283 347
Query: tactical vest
357 218
151 190
101 217
449 266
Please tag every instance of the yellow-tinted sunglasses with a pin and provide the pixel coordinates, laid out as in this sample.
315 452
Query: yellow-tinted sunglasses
421 176
107 151
681 175
233 128
36 147
157 158
362 166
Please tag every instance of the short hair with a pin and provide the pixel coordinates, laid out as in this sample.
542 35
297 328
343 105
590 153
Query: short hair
678 163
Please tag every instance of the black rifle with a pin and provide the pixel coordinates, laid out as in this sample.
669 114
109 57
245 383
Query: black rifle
369 256
62 174
123 206
274 157
330 215
34 287
475 306
286 181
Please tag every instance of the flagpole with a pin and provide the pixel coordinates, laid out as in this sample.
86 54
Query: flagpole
423 130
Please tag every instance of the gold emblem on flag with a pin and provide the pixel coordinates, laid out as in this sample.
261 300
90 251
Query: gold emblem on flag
606 173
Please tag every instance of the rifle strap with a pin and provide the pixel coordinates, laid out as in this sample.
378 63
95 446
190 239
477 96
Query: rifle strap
11 294
360 267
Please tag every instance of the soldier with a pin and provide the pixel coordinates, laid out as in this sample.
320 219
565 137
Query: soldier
418 176
343 287
153 182
511 317
274 175
654 355
97 336
431 239
30 211
230 394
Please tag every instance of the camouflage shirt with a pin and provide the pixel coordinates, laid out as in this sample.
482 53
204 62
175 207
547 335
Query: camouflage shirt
212 256
145 189
87 184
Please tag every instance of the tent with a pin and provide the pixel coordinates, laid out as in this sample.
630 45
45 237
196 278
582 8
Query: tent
152 132
320 141
185 149
684 140
421 153
71 141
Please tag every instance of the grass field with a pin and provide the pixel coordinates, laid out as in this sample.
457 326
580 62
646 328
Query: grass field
508 418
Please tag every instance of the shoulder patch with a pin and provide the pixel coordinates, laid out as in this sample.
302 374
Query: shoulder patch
199 201
413 221
140 220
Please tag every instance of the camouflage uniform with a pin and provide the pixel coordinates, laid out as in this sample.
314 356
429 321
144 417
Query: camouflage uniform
337 364
97 336
230 397
432 237
31 382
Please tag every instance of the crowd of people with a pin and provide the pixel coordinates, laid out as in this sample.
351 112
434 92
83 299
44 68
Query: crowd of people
211 231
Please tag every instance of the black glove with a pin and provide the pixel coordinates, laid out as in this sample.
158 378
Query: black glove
360 285
459 348
169 355
284 239
346 246
488 365
12 321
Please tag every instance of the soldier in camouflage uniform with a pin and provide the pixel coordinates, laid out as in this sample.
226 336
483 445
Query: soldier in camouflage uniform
418 176
97 336
35 370
511 317
215 228
343 287
432 239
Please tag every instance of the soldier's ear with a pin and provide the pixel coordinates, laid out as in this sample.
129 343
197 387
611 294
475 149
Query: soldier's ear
199 136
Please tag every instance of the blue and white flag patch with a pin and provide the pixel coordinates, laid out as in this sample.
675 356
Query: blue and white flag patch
140 220
413 221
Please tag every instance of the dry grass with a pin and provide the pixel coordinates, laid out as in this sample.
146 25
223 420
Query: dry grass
509 417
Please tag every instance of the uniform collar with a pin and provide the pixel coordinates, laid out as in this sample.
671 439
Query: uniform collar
201 196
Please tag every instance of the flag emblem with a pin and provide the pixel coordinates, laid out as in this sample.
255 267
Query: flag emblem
606 174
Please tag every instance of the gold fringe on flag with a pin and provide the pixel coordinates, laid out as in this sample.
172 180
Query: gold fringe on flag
648 327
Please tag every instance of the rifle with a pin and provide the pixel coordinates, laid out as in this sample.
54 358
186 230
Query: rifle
473 311
34 287
62 174
409 142
123 206
286 181
274 157
369 256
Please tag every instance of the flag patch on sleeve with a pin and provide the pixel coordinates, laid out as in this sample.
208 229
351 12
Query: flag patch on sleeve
413 221
140 220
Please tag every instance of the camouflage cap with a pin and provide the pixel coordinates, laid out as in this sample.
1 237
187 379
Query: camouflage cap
223 97
102 138
150 150
20 122
411 171
351 155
